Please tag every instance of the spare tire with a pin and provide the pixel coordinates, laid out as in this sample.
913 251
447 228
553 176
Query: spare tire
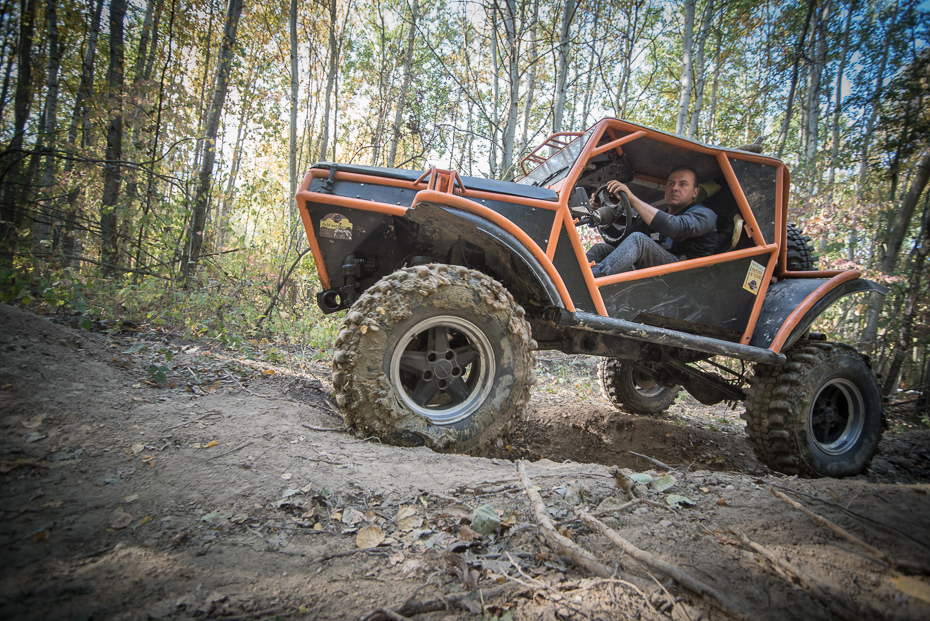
801 256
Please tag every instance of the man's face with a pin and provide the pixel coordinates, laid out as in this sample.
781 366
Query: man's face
681 190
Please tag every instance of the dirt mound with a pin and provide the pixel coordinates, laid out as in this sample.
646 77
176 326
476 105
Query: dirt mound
145 477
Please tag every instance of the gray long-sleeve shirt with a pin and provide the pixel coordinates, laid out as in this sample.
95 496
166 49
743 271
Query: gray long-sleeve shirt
693 232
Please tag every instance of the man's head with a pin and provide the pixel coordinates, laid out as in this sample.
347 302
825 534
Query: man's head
681 188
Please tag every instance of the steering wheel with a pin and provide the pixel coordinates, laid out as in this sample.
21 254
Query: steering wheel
614 225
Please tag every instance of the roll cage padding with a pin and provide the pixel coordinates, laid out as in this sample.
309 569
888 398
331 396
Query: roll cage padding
783 297
487 235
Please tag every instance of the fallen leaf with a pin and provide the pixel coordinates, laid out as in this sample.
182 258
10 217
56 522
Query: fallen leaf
641 477
142 522
131 497
352 517
395 558
664 482
137 448
674 500
41 536
369 536
363 329
120 519
306 489
913 587
52 505
485 519
410 523
211 443
268 372
33 422
287 476
405 512
721 502
34 436
317 526
467 534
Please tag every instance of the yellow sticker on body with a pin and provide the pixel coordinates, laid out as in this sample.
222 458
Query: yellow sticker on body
754 278
336 226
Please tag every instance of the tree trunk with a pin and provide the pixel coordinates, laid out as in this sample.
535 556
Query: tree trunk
906 214
144 38
684 93
910 307
712 114
108 217
382 92
202 197
561 88
292 144
838 104
513 88
798 53
495 93
44 231
531 77
405 85
153 48
330 80
699 69
79 114
813 87
11 169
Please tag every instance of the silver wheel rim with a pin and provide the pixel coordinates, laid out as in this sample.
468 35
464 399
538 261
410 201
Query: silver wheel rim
644 385
443 369
836 417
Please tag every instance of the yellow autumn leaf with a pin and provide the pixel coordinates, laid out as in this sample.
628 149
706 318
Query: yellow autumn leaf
268 372
211 443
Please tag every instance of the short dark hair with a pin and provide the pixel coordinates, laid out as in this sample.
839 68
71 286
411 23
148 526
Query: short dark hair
685 167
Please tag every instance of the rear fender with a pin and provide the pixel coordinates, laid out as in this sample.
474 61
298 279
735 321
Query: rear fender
791 306
469 240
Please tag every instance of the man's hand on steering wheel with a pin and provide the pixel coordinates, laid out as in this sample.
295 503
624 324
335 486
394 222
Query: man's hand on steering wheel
613 218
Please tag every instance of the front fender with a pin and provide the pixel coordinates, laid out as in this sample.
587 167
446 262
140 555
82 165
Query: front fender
446 228
791 306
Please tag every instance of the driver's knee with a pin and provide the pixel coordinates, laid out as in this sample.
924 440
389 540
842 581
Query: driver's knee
599 251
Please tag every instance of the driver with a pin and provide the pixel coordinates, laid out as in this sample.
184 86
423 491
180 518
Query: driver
686 231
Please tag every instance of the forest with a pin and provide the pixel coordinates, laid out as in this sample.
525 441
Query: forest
150 150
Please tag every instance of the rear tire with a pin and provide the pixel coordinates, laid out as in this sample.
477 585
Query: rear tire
630 390
434 355
819 415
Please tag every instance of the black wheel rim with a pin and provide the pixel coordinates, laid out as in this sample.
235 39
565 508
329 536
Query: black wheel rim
836 417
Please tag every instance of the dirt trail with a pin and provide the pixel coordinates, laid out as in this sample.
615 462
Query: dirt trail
221 495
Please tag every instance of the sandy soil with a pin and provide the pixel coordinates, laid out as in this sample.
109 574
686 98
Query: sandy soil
231 492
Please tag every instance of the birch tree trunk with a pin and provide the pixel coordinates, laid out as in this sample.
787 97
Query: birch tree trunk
699 69
109 218
495 93
513 88
531 77
712 113
153 48
838 105
684 93
202 197
798 53
813 87
382 94
561 88
292 144
405 86
330 80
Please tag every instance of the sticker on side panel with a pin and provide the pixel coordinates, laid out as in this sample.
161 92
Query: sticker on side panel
336 226
754 278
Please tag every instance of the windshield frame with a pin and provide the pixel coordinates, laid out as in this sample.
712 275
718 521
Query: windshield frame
560 164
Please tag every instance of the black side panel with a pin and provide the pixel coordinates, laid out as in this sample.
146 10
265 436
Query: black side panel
758 183
784 297
716 296
566 263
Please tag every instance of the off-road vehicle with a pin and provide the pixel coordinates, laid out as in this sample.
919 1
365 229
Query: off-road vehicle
451 282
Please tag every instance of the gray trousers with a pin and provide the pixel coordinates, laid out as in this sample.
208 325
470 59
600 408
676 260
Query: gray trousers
636 252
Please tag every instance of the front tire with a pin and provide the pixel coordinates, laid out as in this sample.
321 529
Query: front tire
631 390
819 415
434 355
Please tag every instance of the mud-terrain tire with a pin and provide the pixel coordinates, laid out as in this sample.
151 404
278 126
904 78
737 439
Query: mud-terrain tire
631 391
800 251
434 355
819 415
